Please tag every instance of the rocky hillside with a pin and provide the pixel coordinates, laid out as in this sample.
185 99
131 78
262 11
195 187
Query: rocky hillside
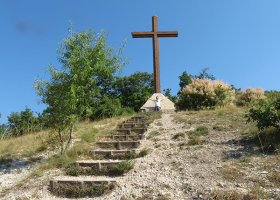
192 155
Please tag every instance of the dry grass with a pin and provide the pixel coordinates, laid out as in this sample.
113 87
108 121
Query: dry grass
68 190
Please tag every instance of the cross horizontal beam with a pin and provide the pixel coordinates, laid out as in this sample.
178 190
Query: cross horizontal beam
147 34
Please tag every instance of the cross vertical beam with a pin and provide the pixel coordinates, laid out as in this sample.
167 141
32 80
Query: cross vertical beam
155 34
156 55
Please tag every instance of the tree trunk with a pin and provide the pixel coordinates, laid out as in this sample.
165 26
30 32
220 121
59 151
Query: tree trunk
70 137
61 142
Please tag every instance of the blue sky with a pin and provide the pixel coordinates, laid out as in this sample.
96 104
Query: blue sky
238 40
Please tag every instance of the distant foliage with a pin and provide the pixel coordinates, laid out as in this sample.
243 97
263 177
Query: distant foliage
132 90
251 94
203 93
272 94
167 93
25 122
204 75
107 108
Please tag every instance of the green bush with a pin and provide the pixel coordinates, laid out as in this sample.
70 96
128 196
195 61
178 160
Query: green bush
202 93
200 130
143 153
266 113
125 166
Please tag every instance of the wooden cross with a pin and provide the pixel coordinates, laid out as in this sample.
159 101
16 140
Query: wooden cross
155 34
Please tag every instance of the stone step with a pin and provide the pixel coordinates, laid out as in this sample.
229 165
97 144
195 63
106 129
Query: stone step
133 125
126 137
110 153
130 131
99 165
135 121
118 145
137 118
81 182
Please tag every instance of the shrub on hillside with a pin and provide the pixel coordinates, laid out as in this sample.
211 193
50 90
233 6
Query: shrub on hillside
272 94
251 94
266 113
203 93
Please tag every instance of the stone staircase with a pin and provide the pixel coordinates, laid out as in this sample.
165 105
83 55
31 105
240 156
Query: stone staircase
124 144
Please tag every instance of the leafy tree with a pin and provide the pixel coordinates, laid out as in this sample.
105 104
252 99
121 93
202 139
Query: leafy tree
107 108
87 64
204 75
132 90
185 79
23 123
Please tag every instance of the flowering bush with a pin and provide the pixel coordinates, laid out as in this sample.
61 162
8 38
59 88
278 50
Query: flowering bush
251 94
203 93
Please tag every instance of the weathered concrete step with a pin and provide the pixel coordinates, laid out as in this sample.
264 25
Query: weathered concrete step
137 118
133 125
118 145
81 182
113 152
129 131
126 137
99 165
135 121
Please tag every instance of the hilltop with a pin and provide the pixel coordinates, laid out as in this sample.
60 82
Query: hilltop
192 155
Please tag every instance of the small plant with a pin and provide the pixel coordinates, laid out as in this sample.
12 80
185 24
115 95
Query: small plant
221 195
42 147
275 177
218 128
132 155
179 118
221 112
196 141
153 134
200 130
190 122
245 159
230 173
178 135
125 166
73 171
143 153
